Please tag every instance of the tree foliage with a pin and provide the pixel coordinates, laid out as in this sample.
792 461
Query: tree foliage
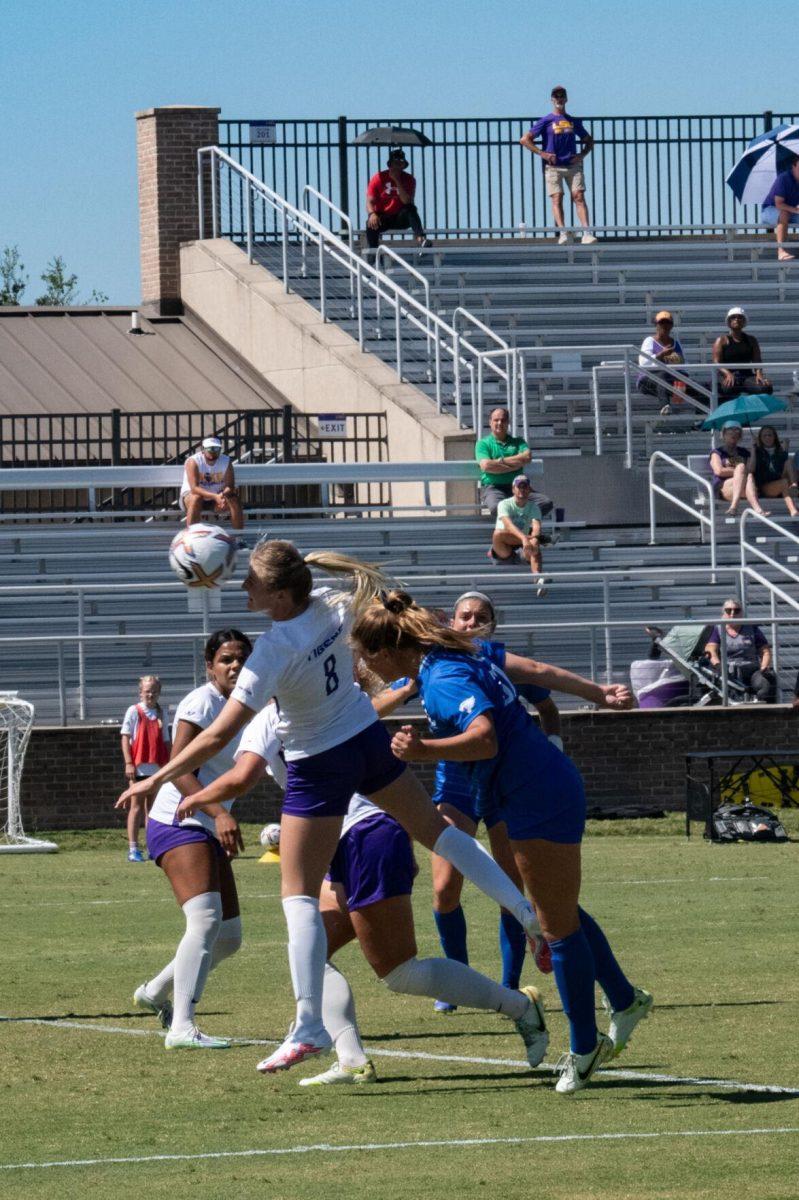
13 279
62 289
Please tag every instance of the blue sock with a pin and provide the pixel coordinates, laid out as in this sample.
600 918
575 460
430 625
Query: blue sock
573 965
609 975
512 945
452 934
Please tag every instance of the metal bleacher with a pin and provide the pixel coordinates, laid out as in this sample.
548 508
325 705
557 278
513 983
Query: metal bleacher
538 294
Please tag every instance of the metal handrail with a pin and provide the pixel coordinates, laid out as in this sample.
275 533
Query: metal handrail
654 488
446 339
322 199
387 252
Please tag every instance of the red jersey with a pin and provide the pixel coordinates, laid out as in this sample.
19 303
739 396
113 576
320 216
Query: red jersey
382 191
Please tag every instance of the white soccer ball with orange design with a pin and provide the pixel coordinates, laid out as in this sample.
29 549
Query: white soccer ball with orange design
203 556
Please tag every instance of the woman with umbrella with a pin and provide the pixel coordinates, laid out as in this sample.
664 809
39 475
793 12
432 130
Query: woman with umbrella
767 173
731 467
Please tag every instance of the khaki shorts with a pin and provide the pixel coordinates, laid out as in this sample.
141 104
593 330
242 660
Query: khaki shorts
556 177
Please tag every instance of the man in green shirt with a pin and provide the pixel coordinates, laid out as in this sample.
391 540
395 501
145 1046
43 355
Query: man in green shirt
518 531
501 457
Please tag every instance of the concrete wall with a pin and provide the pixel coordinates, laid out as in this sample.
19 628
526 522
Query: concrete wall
318 367
72 776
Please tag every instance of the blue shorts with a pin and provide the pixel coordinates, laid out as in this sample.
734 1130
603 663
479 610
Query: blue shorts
323 784
374 861
454 788
770 215
547 805
161 837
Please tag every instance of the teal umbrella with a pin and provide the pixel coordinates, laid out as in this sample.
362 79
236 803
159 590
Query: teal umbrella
749 410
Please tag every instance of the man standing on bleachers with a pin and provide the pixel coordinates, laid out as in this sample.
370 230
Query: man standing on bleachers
559 133
501 457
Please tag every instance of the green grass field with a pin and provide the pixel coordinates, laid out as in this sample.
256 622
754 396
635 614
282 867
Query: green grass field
710 930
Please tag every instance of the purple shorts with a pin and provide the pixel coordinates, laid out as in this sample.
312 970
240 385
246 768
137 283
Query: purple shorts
374 861
323 785
161 837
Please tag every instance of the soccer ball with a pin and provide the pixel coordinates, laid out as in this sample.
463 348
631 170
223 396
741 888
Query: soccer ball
203 555
270 837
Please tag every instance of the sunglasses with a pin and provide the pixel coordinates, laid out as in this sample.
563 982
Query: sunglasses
558 95
732 612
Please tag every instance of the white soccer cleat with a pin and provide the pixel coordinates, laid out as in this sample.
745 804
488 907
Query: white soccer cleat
162 1011
623 1023
588 239
347 1075
576 1069
564 238
532 1028
192 1039
294 1051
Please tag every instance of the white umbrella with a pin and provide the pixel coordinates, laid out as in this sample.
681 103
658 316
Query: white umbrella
766 157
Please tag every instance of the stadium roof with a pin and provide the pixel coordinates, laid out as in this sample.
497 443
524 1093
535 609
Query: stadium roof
69 360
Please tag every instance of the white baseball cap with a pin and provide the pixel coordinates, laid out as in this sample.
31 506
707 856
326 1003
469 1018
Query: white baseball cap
736 312
212 443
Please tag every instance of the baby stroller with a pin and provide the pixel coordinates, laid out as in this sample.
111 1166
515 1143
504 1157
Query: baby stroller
686 678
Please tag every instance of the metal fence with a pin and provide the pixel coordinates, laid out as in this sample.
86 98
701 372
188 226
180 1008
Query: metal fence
118 438
645 171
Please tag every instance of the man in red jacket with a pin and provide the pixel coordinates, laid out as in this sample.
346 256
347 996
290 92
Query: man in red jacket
389 202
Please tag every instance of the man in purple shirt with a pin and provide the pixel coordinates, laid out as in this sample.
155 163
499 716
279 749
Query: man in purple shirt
559 133
781 208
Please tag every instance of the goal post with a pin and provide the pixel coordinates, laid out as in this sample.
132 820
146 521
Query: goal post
16 722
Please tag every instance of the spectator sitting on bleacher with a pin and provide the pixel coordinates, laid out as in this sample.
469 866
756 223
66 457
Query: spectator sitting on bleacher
737 347
667 350
731 467
773 470
501 457
518 531
748 654
781 208
208 482
389 202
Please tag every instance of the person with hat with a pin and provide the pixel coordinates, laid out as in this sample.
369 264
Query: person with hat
518 530
562 163
389 202
730 464
208 482
667 350
741 351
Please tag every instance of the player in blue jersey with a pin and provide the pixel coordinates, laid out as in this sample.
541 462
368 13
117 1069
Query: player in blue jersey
476 718
334 746
474 613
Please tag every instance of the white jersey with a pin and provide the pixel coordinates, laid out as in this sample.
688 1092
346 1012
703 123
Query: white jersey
201 707
212 475
306 664
261 737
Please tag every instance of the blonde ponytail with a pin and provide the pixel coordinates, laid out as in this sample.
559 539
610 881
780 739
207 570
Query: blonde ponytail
369 579
394 621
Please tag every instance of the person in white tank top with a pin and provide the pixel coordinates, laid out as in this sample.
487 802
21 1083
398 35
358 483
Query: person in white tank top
195 855
335 747
209 482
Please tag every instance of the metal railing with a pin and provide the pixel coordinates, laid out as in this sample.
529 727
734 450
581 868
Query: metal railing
645 172
707 521
226 179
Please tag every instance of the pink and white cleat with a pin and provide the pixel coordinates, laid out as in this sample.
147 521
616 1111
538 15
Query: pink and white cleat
294 1051
542 955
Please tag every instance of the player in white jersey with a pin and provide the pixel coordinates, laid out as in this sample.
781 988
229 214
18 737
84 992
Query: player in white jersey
208 482
334 746
195 855
367 896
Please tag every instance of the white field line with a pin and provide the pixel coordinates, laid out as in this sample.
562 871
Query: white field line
371 1147
732 1085
137 899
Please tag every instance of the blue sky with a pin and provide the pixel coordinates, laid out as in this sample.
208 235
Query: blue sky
73 72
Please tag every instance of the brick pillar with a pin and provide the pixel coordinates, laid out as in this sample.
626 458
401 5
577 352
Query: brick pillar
167 140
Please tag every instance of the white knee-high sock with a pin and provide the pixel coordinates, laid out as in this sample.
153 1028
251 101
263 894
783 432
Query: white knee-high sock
338 1014
446 979
228 941
193 956
475 863
307 955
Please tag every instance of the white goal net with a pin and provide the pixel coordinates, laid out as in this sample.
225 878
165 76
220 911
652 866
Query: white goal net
16 722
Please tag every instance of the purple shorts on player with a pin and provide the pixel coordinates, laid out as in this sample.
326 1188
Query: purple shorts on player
374 861
161 837
323 784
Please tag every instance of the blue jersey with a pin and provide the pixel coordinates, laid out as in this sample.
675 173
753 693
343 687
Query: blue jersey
496 652
455 689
